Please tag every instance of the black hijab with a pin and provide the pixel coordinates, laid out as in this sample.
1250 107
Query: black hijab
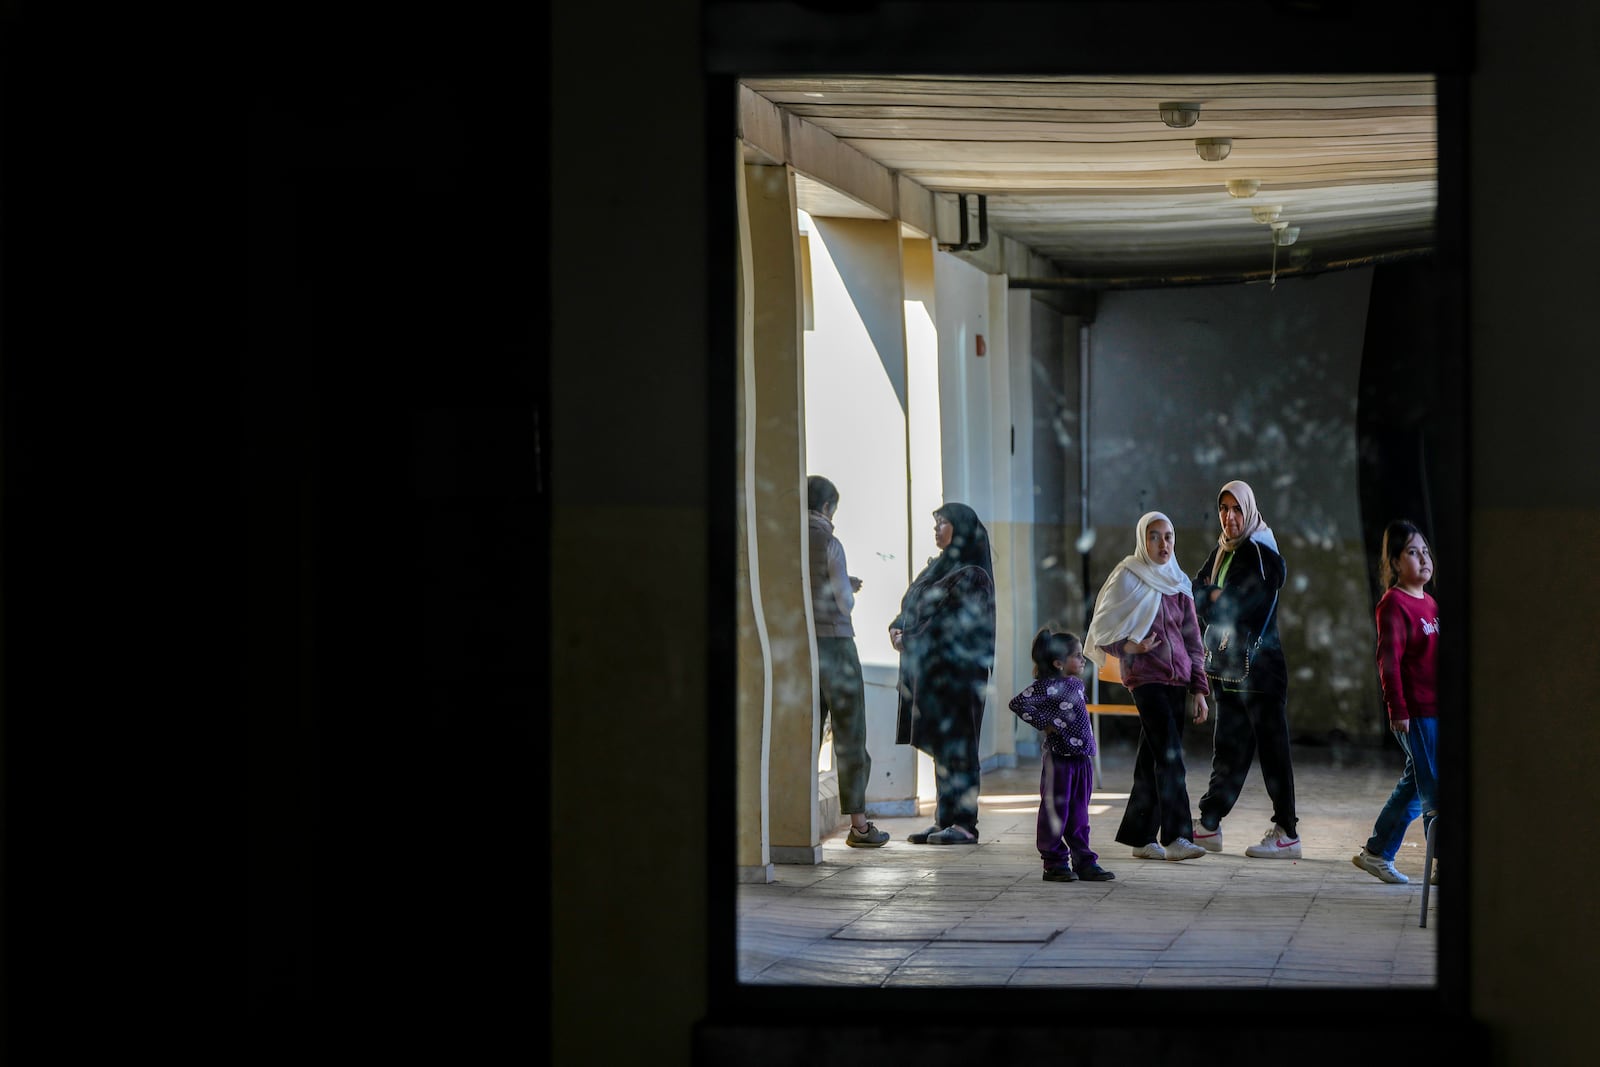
969 541
969 547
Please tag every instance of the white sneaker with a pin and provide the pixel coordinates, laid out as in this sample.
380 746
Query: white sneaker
1184 849
1152 851
1275 845
1378 867
1210 840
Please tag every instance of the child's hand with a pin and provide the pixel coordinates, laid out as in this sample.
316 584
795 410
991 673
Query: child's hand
1201 711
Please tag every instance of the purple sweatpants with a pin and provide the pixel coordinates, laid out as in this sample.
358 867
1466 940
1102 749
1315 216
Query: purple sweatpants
1065 783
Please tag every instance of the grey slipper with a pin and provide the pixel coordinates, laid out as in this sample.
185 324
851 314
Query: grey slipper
921 836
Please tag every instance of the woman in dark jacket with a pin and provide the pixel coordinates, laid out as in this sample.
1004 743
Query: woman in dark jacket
945 636
1236 594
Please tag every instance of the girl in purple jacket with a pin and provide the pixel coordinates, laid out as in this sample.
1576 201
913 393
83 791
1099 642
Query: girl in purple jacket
1054 705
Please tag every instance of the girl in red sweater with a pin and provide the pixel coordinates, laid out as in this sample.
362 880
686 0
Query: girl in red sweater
1408 639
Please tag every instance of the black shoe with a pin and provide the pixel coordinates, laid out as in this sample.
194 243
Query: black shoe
1059 874
954 835
1095 873
921 836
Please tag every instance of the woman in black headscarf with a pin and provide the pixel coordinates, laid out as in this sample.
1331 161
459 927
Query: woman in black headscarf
945 635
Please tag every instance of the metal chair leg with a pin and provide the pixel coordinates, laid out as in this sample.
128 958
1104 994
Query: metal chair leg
1427 865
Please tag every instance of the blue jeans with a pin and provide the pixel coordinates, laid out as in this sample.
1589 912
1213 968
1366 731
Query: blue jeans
1417 792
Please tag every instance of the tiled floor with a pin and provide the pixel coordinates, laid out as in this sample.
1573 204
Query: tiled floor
918 915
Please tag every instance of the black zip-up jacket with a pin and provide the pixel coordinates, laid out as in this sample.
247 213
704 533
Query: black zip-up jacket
1254 578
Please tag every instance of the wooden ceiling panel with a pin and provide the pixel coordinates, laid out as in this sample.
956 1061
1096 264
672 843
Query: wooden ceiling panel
1083 170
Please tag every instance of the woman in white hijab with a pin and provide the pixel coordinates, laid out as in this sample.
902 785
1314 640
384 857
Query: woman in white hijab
1145 617
1236 593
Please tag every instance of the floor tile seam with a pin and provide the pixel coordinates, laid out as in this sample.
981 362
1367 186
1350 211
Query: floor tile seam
909 971
804 918
784 946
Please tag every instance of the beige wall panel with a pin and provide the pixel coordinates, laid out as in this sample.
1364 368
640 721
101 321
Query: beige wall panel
1533 728
998 745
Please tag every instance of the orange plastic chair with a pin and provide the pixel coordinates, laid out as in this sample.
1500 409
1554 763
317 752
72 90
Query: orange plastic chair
1110 672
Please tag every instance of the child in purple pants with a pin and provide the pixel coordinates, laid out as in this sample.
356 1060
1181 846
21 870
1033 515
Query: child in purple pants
1054 705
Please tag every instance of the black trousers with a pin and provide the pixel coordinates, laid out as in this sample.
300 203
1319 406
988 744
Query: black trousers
1158 804
1247 723
954 709
955 775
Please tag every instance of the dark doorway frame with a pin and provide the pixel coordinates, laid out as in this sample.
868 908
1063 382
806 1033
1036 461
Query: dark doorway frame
751 37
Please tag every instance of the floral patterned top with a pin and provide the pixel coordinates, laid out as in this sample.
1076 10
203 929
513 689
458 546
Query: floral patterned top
1056 707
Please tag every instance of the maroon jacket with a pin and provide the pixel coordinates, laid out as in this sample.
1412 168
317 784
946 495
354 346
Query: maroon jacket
1180 658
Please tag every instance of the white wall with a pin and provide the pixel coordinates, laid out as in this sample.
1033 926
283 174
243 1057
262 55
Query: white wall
860 373
925 399
976 416
856 422
961 314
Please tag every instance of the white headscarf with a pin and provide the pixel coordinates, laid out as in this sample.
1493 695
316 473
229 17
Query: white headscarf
1255 528
1128 602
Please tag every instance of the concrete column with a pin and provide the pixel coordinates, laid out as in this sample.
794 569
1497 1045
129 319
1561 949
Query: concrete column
780 514
1023 498
754 701
1007 532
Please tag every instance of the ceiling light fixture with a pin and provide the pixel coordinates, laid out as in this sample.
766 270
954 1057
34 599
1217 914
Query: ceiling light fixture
1180 116
1243 187
1285 234
1213 149
1266 212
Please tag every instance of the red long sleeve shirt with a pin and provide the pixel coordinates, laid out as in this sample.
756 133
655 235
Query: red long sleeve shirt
1408 637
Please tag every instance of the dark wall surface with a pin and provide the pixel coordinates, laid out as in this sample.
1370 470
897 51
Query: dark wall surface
444 933
1193 387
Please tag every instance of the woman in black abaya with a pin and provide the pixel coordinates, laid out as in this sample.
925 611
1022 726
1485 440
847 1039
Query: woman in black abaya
945 635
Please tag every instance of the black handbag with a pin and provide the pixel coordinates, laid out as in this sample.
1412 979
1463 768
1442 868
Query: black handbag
1231 650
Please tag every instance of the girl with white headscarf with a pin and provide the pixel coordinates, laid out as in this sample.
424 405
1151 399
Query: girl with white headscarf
1236 593
1144 616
